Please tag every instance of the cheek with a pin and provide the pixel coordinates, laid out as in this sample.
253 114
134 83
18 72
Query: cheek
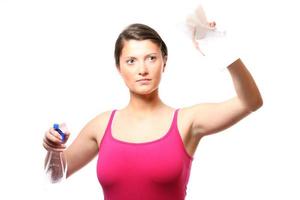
159 70
127 77
157 75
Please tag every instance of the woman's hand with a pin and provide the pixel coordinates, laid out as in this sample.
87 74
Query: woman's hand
53 140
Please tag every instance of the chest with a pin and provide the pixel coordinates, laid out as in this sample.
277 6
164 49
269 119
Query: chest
161 161
139 130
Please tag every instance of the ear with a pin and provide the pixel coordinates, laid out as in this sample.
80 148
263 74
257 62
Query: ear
165 63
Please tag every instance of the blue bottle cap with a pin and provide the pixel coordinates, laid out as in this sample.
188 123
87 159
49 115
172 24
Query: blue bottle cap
56 127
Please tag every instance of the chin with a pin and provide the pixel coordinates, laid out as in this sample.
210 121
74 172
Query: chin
145 91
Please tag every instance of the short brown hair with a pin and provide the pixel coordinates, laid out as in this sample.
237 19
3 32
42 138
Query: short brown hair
138 32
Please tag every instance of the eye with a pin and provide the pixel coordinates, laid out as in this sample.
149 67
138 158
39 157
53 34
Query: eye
130 61
152 58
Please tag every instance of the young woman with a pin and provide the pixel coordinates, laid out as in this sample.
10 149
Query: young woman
145 150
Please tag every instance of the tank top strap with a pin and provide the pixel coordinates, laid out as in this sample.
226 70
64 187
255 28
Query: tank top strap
108 127
174 121
112 117
107 131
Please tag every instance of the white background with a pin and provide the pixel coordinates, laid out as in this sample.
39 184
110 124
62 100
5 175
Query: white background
56 65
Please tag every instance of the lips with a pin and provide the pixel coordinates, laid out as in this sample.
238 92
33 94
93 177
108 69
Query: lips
144 79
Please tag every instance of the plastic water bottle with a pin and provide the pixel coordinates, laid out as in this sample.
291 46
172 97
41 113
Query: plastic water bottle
56 166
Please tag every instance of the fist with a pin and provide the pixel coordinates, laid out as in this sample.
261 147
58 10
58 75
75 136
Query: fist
53 141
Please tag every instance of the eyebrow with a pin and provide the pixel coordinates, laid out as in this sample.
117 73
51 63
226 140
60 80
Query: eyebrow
150 54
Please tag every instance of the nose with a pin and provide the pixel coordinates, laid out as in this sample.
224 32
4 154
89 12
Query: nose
143 70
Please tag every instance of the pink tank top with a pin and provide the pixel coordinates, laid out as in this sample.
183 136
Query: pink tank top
154 170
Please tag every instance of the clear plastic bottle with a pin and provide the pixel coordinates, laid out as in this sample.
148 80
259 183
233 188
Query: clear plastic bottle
55 164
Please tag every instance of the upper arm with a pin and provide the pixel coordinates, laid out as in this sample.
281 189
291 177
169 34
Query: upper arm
208 118
85 147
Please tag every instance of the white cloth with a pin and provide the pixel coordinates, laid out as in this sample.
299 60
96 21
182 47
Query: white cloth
218 48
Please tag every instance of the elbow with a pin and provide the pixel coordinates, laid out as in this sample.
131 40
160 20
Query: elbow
253 104
258 103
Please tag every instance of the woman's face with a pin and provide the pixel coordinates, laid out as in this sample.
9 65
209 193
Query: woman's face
141 65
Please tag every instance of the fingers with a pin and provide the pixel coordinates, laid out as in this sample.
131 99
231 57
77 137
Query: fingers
54 136
50 147
53 140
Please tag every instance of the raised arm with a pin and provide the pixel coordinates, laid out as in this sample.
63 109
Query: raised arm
208 118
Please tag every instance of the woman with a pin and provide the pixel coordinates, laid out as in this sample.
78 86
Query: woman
145 150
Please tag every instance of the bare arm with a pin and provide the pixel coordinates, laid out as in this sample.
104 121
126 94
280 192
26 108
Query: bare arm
84 148
245 86
208 118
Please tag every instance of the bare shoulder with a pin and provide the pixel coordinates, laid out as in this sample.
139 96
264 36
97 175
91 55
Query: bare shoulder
85 145
94 128
185 120
185 114
98 124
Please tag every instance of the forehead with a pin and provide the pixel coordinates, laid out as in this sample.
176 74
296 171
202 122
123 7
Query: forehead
139 47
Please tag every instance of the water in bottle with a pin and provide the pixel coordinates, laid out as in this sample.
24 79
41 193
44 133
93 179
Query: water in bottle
56 167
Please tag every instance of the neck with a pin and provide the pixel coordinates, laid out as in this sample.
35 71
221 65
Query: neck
143 104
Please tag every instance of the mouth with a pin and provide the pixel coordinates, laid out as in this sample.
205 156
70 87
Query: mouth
144 80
